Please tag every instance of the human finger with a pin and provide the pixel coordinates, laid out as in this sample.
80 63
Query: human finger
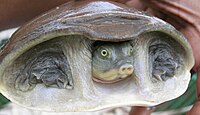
137 110
137 4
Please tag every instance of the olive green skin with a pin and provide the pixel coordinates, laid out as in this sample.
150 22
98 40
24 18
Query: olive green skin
112 62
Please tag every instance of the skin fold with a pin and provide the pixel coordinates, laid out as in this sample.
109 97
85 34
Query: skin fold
183 14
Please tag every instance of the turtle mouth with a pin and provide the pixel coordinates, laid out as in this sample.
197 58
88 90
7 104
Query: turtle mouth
118 79
113 75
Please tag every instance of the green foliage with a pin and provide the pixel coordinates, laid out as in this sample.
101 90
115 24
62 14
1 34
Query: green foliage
3 42
3 100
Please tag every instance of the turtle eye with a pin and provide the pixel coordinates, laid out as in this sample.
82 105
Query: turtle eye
104 53
130 51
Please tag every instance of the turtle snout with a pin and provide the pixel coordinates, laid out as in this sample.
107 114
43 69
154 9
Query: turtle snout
126 69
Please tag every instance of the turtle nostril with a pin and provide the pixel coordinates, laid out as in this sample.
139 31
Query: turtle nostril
129 68
126 69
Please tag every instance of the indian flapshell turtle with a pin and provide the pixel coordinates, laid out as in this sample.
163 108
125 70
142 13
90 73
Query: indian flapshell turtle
89 55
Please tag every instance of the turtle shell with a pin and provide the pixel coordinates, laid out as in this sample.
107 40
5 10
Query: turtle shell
65 36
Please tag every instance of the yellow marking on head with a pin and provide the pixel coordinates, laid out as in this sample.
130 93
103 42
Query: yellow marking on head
111 75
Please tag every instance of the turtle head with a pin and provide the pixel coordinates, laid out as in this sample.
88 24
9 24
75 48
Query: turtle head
112 62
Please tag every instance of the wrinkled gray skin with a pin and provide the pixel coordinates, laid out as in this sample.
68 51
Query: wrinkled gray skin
164 62
112 62
49 68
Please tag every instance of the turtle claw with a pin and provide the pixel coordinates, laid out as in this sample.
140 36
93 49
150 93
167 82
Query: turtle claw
64 83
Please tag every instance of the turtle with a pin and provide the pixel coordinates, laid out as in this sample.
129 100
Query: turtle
90 55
